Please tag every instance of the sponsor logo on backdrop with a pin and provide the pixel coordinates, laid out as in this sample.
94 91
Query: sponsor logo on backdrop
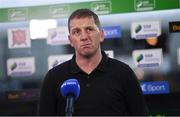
17 14
58 36
147 58
103 7
58 59
110 53
59 11
156 87
22 94
144 5
145 30
19 38
174 26
55 60
24 66
178 56
112 32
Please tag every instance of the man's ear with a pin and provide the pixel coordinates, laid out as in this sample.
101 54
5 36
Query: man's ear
101 36
69 37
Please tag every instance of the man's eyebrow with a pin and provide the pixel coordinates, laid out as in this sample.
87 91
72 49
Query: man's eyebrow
78 28
84 26
75 28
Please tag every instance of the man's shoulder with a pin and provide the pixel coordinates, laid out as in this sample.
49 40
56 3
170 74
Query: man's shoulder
61 67
119 66
121 69
58 72
118 63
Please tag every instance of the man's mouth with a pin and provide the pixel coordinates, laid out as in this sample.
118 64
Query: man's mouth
86 45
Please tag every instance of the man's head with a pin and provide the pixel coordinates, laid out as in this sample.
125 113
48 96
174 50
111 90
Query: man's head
82 13
85 33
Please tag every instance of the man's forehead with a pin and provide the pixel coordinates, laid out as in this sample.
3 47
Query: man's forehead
85 19
82 23
82 26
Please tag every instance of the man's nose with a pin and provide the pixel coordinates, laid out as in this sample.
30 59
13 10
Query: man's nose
84 35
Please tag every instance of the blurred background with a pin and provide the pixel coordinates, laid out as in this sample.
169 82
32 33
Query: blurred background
145 34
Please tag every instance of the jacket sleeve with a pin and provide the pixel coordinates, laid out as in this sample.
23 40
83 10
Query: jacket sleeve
136 104
47 101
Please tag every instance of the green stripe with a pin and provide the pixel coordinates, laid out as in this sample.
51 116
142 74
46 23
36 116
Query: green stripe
101 7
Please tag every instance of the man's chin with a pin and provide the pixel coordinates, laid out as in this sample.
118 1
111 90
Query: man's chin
87 54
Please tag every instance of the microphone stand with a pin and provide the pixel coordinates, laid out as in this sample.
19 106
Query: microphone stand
69 105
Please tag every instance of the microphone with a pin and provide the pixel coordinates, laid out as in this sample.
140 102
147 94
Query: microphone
70 90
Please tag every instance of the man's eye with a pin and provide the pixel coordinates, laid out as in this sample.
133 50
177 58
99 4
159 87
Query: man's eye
89 29
75 32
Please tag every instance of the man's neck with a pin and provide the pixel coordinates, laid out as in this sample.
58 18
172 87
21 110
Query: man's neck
89 64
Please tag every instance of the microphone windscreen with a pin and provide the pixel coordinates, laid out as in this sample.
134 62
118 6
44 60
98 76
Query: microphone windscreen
70 86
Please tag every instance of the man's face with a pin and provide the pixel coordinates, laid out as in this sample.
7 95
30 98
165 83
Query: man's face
85 36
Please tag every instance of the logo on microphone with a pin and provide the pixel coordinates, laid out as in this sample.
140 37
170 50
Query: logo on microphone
70 86
68 83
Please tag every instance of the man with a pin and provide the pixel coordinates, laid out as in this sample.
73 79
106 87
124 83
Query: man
108 86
